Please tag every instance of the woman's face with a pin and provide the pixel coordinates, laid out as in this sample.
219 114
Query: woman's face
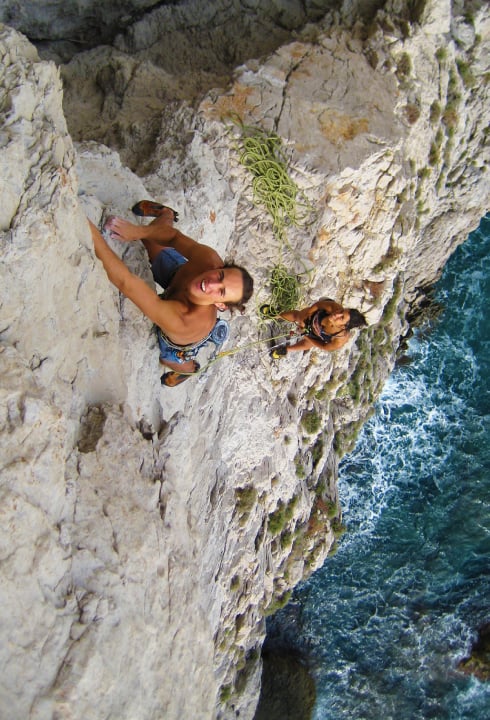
337 320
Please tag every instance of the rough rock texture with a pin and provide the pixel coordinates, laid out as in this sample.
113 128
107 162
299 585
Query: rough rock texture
84 22
146 533
204 35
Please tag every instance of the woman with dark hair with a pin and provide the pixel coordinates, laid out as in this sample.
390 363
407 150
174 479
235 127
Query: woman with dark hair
326 325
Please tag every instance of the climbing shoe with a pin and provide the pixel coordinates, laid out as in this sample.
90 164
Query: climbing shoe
148 208
172 379
278 352
266 311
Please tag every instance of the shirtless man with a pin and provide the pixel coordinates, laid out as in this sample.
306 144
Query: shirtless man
197 284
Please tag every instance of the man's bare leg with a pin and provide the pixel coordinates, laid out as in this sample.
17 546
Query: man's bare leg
180 371
153 236
165 219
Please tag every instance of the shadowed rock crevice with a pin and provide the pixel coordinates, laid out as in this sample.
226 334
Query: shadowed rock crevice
91 428
219 32
288 690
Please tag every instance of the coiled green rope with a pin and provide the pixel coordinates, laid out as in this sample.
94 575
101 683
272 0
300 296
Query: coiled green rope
262 153
285 292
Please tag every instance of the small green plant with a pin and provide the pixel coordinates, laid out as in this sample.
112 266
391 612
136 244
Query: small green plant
278 603
289 511
434 155
441 54
354 389
300 469
277 519
225 693
282 515
338 528
439 138
466 73
320 488
246 498
313 556
435 112
412 113
392 304
345 439
322 393
405 29
311 422
234 583
453 85
450 115
379 334
387 260
404 65
317 451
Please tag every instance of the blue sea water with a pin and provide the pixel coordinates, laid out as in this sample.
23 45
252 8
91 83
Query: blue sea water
385 622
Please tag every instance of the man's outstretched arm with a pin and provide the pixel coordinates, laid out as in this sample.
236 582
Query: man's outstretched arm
163 313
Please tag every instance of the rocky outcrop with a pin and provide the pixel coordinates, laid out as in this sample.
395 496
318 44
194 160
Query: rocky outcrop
83 23
478 663
206 37
147 533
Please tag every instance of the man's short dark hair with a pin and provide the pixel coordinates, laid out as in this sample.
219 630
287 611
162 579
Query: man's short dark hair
248 287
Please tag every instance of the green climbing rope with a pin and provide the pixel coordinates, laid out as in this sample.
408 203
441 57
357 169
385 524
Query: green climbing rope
232 351
285 292
263 154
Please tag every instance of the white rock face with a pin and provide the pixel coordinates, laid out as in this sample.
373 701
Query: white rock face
146 532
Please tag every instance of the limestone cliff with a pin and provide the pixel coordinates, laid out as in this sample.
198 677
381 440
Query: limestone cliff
147 532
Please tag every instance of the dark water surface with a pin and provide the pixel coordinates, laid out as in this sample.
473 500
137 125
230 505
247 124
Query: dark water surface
385 622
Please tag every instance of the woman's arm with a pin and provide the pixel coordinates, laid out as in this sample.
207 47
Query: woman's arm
299 316
335 343
304 344
307 343
330 306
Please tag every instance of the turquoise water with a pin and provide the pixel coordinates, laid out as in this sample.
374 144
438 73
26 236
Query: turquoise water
384 623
